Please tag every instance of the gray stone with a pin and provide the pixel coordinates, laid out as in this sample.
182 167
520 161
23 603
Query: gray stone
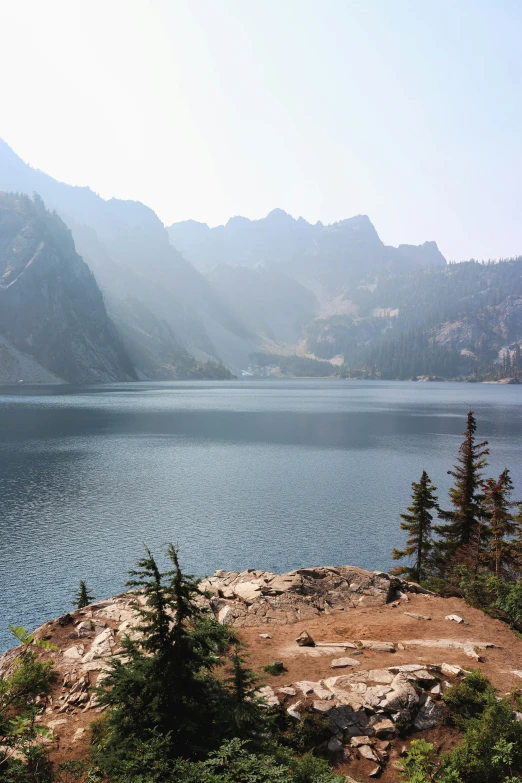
429 715
341 663
335 745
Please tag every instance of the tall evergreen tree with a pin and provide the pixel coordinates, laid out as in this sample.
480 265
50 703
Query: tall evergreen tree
83 597
460 538
500 555
418 524
165 685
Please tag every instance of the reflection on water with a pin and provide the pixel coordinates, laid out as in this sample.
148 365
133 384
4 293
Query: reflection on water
272 474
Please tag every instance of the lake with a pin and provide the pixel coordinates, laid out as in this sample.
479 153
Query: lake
271 474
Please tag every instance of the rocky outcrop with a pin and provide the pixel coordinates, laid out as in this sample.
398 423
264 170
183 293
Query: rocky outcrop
254 597
365 709
50 306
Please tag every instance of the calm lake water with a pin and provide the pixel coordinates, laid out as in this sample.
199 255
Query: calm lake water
265 474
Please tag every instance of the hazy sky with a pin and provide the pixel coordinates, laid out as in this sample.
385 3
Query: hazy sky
407 110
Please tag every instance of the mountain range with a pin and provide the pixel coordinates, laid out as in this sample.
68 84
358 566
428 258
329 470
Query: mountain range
276 295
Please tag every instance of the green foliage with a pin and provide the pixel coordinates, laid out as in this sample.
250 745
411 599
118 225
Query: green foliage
308 733
491 747
417 523
82 597
420 764
232 762
166 692
489 593
500 556
402 345
468 698
460 538
23 697
274 668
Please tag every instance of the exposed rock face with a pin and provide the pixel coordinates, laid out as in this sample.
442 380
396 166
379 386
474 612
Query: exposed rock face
50 305
254 597
127 247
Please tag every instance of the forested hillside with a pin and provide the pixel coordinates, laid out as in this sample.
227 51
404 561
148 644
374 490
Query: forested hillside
458 320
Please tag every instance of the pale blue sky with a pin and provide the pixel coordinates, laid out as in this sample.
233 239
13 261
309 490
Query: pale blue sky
407 110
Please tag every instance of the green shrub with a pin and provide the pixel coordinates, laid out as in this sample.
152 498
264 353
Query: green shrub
275 668
468 698
308 733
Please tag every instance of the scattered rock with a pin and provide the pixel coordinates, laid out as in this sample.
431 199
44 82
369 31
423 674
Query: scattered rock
74 653
305 686
376 646
429 715
305 640
453 670
341 663
454 617
417 616
335 745
376 771
357 742
287 691
293 710
471 653
384 729
266 636
266 693
366 752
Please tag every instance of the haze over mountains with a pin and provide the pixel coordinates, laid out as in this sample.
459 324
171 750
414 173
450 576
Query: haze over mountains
249 293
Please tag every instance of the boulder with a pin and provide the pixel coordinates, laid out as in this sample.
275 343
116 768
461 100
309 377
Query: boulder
429 715
305 640
335 745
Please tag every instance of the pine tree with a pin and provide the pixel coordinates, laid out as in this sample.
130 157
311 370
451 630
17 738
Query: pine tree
503 525
243 707
82 597
460 538
166 686
418 524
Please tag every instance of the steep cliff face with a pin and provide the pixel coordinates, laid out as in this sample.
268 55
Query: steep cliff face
50 305
127 247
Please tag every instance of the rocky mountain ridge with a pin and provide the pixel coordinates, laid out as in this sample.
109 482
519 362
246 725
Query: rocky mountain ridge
127 248
50 306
